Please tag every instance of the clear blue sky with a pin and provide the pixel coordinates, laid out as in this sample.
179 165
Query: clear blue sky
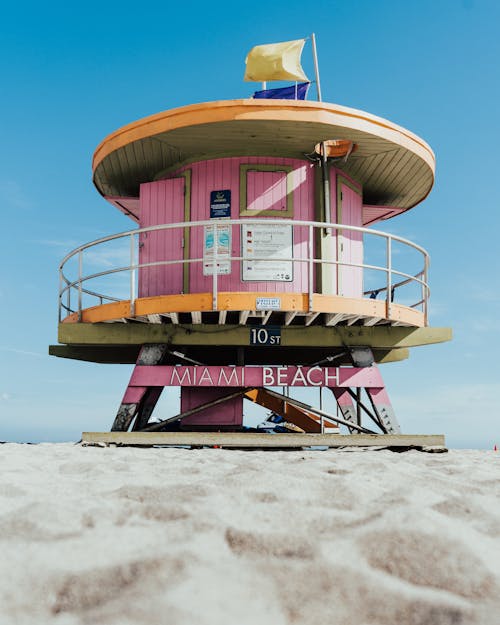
71 73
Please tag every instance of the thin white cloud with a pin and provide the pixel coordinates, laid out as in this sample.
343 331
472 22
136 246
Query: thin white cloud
107 258
484 325
12 195
465 404
23 352
66 244
484 293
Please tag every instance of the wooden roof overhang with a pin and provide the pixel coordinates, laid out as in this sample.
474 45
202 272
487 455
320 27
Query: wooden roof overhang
394 166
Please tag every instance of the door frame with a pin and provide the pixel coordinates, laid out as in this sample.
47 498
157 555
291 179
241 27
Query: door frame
186 234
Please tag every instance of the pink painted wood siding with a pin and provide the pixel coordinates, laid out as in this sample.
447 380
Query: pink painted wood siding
351 243
161 202
228 413
266 190
219 174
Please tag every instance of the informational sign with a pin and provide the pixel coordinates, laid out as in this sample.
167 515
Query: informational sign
220 204
217 249
264 248
269 335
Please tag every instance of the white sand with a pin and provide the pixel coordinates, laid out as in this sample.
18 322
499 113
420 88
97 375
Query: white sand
157 536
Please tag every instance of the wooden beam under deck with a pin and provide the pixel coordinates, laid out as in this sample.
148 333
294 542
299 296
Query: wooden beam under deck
382 337
264 441
127 354
104 354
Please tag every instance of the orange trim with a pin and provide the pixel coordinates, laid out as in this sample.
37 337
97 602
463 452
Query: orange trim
104 312
229 110
237 301
173 303
348 305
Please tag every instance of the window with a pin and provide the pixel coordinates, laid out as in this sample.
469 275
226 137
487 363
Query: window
266 191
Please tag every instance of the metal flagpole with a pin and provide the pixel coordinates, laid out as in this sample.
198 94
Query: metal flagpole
316 68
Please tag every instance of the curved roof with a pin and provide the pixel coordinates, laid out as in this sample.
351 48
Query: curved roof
394 166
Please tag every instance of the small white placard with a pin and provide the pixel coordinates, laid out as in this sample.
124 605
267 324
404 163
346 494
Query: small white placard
268 303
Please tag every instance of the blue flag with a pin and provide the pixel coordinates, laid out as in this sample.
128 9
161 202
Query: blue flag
294 92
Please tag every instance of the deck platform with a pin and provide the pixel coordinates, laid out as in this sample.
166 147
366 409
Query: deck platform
121 342
295 309
257 440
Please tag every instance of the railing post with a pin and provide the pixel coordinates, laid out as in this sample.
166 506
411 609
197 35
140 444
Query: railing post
362 269
80 267
59 299
132 275
68 298
388 300
321 417
214 266
425 290
311 268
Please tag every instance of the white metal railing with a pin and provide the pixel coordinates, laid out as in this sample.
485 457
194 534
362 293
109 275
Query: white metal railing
390 284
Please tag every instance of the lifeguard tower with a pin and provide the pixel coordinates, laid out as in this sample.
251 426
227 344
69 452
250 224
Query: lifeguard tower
255 264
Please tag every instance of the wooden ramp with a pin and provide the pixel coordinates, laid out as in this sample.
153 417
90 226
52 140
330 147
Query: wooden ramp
308 421
259 440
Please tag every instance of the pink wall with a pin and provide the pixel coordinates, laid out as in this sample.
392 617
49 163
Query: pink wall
163 202
225 174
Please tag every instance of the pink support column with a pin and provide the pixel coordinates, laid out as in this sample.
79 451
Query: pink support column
382 405
345 404
139 401
201 385
377 394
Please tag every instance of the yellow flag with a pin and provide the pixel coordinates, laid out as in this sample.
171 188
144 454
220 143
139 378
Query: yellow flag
275 61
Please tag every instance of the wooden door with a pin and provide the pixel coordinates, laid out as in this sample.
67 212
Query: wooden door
350 243
162 202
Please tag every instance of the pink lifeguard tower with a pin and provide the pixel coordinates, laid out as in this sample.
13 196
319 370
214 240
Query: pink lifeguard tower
255 264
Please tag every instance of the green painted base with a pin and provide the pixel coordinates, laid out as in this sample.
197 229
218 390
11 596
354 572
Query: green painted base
120 343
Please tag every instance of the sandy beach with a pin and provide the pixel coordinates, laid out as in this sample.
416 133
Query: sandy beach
124 536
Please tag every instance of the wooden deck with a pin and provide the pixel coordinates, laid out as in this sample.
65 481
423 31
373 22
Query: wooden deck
257 440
